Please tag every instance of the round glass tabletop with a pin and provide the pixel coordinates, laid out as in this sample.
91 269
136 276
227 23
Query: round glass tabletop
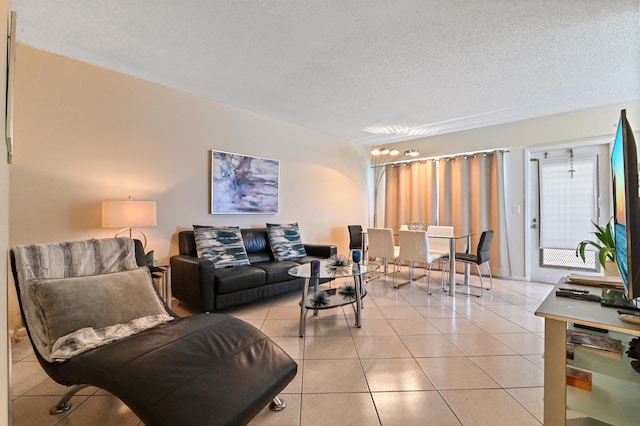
329 271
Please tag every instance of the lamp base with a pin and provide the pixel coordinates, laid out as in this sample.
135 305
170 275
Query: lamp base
144 237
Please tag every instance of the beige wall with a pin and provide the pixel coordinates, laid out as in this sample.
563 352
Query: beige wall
578 127
85 134
5 358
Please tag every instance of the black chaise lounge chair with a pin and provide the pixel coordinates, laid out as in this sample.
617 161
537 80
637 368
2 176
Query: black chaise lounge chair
95 319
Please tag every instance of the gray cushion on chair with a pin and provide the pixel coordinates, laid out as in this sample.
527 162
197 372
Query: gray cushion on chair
93 284
96 302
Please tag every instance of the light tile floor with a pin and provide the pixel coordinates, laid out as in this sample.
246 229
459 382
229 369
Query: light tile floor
417 360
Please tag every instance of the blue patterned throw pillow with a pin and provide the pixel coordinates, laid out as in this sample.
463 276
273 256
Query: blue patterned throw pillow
285 241
223 246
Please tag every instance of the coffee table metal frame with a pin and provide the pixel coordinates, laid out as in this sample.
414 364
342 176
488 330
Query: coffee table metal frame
357 271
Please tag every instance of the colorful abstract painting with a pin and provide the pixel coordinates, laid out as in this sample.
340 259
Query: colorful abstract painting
243 184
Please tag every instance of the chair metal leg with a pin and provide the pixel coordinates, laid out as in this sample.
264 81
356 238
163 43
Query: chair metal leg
277 404
490 277
395 279
64 404
396 274
442 277
414 277
372 277
481 285
469 286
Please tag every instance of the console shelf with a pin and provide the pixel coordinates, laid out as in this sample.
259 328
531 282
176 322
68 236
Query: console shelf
616 386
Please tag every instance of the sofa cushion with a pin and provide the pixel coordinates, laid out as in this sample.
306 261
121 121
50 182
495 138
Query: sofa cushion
277 271
285 241
256 242
230 280
222 245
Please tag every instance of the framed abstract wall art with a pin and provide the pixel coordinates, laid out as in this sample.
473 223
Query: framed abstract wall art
243 184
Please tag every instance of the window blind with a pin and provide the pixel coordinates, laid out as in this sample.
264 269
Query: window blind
568 200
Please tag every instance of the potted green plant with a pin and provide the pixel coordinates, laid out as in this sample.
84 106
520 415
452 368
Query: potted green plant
606 244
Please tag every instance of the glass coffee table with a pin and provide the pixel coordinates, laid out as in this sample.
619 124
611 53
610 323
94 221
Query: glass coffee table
326 298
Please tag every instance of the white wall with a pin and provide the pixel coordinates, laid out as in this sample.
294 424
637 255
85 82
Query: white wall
85 134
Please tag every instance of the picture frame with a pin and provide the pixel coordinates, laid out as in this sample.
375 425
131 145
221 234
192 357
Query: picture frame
243 184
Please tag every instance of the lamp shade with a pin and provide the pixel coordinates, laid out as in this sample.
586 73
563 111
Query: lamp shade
128 214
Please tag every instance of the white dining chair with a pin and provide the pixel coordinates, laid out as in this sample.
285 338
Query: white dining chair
408 254
441 245
425 254
381 246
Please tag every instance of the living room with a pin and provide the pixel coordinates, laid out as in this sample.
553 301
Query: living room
84 134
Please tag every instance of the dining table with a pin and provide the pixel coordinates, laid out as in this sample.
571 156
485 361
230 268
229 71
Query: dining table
453 244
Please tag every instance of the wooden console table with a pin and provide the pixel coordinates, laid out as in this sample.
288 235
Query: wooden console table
616 385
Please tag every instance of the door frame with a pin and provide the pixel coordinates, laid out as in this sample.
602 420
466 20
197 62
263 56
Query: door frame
531 199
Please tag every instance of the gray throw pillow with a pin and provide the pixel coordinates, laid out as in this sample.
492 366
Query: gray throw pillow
97 301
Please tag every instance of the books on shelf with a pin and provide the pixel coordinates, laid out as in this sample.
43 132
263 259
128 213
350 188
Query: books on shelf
595 280
602 345
580 379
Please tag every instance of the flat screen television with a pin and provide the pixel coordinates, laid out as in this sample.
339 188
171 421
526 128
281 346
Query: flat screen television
626 206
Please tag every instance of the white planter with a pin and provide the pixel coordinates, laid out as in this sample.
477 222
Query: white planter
611 269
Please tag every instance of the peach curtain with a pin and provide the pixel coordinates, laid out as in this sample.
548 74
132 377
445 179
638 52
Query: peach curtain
466 192
411 194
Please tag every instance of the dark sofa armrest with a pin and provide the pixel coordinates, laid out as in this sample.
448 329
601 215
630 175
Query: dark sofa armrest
321 250
192 281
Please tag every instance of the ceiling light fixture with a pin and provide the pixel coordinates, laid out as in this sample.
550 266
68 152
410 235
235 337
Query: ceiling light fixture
412 153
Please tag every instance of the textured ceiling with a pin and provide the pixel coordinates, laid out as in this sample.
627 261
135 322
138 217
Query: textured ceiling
399 68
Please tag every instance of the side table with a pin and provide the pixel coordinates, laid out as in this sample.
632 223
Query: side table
161 272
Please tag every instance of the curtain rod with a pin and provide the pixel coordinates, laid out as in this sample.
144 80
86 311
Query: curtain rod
442 157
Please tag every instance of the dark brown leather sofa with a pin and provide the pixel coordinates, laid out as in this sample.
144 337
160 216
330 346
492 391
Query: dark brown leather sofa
195 281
